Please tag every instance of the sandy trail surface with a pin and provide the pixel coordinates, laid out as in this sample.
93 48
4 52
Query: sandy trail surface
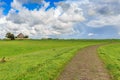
86 65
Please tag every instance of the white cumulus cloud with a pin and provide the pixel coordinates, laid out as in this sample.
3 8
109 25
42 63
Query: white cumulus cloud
105 21
39 22
91 34
69 17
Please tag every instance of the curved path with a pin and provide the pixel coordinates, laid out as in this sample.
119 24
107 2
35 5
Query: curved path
86 65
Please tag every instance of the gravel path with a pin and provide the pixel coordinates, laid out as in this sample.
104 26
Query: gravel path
86 65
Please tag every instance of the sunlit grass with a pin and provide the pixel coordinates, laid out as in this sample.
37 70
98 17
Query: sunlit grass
110 54
37 59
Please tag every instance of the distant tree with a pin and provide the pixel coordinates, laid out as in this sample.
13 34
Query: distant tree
49 38
26 36
10 35
15 36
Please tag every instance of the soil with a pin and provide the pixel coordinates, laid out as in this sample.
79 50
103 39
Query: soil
3 60
86 65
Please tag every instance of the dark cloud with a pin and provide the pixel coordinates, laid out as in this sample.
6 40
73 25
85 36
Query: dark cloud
104 10
65 6
15 19
107 7
31 1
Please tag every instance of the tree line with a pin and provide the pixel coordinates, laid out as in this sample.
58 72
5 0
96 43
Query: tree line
11 36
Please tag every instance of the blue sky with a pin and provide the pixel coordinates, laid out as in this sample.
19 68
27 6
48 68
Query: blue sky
89 19
30 6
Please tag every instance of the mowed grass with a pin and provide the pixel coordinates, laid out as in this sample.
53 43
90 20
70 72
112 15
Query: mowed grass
110 54
38 59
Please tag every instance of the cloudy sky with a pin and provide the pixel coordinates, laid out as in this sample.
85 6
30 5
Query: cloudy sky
61 18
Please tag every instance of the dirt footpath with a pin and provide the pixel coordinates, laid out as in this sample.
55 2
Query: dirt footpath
86 65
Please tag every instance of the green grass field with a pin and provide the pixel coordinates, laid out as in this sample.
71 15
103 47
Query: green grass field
38 59
45 59
110 54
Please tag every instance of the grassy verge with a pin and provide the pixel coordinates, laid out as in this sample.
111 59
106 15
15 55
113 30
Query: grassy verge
110 54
